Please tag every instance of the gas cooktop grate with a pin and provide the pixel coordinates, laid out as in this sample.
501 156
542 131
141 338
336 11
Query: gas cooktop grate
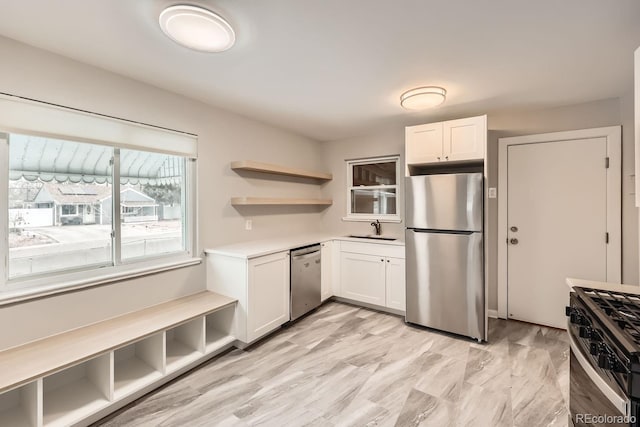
621 308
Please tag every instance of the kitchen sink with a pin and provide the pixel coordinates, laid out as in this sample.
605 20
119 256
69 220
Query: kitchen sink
360 236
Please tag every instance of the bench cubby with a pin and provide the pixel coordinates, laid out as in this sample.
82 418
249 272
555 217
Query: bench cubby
77 392
77 377
138 365
20 407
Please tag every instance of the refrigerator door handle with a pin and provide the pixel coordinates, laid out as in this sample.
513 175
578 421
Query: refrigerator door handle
421 230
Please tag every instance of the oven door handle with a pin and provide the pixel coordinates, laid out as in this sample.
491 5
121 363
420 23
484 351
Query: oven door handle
616 400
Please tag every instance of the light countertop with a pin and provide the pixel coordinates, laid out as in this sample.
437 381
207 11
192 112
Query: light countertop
605 286
256 248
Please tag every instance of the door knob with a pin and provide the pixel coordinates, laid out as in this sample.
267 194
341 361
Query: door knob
513 241
514 229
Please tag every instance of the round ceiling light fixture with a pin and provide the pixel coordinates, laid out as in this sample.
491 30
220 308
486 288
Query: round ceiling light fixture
422 98
197 28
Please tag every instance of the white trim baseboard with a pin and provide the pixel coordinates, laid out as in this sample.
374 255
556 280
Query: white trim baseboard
492 313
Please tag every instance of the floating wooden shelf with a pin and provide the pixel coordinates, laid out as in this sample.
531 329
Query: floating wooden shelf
250 165
246 201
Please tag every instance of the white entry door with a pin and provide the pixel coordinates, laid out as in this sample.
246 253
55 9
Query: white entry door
558 224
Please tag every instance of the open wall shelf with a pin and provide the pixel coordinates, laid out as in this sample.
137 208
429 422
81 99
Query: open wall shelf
79 377
250 165
272 201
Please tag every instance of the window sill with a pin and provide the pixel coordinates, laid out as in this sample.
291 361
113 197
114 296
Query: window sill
395 219
33 289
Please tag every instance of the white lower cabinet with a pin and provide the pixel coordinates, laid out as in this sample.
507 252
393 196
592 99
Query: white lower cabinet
268 294
363 277
326 272
372 273
261 286
395 284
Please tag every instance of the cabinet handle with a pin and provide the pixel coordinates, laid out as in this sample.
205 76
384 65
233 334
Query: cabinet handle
446 157
382 260
438 158
388 260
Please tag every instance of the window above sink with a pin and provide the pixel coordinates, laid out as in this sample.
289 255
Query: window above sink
372 189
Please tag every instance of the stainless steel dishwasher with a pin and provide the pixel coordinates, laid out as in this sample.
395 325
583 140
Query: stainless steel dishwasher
305 280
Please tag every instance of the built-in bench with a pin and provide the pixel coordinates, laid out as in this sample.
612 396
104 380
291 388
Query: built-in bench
79 376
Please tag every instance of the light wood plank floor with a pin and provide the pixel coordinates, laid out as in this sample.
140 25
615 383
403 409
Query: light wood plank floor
350 366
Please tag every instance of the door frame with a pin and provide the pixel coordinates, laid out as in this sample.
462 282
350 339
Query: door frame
614 200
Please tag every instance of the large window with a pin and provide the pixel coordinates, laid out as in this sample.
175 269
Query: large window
373 189
61 198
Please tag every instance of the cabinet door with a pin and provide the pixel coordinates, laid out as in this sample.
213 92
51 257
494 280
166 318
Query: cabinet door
423 144
465 139
268 294
326 274
363 277
395 283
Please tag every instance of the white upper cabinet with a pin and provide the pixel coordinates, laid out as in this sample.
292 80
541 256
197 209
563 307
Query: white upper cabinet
423 143
454 140
465 139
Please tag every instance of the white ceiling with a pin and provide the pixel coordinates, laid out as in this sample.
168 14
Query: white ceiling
330 69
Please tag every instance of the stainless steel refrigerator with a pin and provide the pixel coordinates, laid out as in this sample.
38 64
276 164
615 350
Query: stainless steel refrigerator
444 253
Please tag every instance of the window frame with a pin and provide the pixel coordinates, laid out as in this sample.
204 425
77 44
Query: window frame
47 283
350 216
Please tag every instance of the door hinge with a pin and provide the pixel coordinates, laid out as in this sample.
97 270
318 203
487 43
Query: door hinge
113 234
606 163
111 161
606 237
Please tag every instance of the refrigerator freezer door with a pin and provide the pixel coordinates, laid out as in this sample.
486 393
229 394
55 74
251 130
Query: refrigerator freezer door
445 286
444 202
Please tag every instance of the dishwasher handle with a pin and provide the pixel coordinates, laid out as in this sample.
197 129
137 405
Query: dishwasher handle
305 256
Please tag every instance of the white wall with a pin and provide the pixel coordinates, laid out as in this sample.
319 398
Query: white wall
390 140
387 141
223 137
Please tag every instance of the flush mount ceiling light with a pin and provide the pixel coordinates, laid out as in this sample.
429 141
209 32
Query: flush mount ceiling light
422 98
197 28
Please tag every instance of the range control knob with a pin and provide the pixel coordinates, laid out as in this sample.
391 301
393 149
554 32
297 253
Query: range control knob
574 318
604 361
594 348
568 310
585 332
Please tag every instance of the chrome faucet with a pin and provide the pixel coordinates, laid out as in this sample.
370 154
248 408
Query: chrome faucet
377 226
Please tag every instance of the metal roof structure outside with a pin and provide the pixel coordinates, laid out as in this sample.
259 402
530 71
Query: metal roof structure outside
46 159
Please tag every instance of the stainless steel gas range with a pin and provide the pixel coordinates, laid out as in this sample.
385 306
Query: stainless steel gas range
604 331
